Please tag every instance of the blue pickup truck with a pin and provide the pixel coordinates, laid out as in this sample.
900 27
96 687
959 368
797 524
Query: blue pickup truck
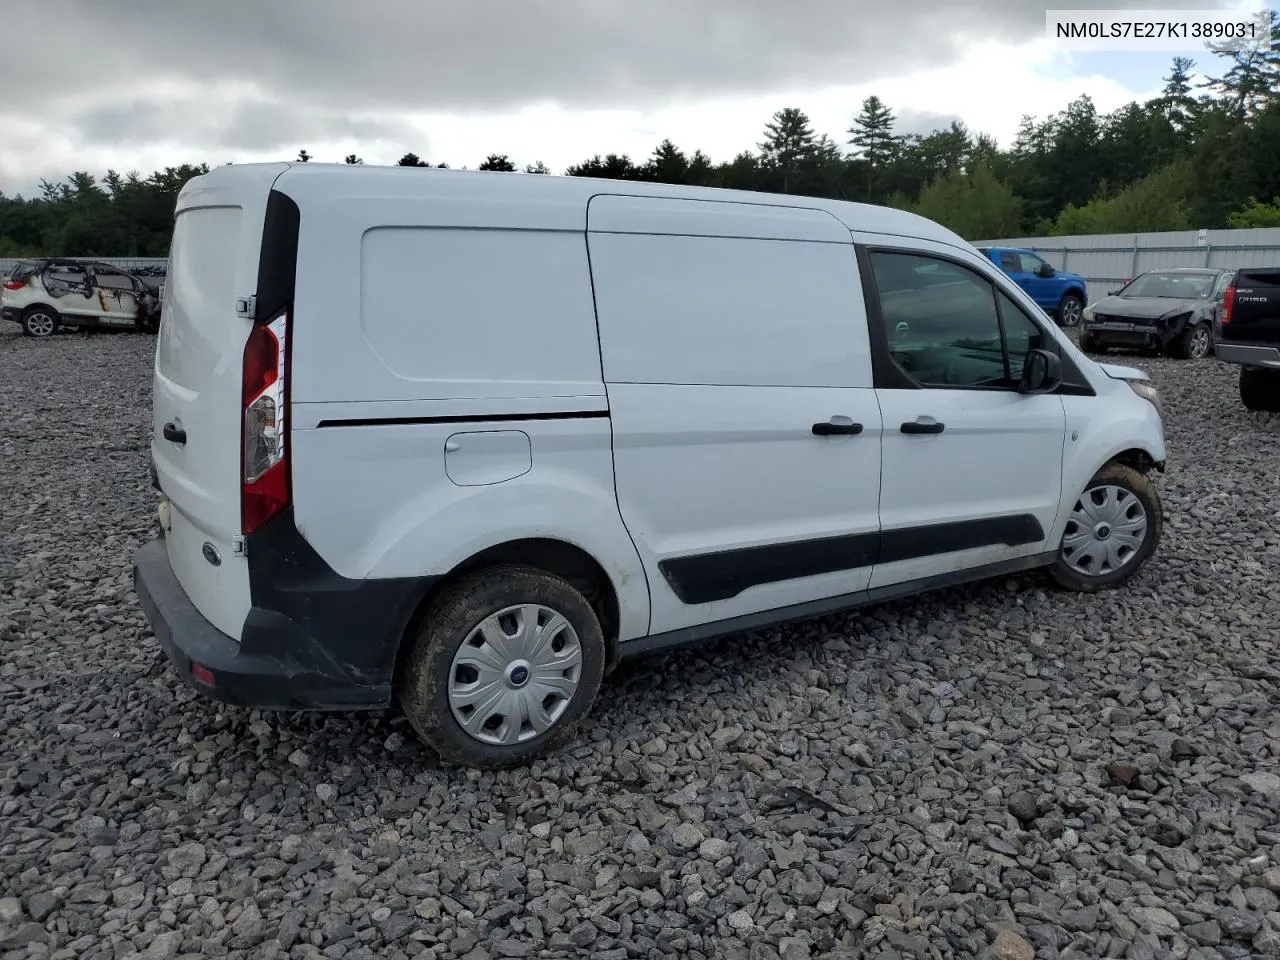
1060 294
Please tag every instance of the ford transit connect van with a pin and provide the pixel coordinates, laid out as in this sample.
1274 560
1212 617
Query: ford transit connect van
461 441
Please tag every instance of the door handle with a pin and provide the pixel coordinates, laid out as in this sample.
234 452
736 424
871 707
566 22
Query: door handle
831 428
915 426
173 433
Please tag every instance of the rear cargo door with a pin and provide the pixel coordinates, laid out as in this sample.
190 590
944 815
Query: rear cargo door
196 437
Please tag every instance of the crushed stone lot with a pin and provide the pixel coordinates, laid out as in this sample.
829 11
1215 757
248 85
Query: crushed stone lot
1000 768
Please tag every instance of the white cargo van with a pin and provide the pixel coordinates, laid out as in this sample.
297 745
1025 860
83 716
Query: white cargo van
461 441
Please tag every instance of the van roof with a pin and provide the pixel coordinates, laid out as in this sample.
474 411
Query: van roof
428 182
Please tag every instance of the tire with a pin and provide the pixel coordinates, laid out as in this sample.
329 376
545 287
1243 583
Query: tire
1260 389
453 621
1087 343
1132 496
1194 343
1070 307
40 321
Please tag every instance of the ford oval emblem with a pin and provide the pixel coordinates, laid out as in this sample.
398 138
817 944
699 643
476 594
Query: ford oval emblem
211 554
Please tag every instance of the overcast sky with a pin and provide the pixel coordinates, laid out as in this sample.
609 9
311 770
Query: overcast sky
141 84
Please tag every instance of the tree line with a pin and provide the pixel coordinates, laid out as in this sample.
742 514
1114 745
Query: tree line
1201 154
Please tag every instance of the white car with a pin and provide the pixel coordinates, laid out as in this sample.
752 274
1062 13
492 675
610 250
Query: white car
48 294
461 442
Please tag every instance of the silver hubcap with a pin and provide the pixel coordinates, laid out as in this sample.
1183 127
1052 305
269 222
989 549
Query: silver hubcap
514 676
1200 343
1071 312
40 324
1105 531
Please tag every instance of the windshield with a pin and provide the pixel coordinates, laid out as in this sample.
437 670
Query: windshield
1175 286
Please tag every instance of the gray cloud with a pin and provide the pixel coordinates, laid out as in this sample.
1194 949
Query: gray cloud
489 54
99 73
908 120
248 125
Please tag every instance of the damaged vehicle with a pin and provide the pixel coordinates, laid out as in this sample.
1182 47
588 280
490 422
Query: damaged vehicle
48 294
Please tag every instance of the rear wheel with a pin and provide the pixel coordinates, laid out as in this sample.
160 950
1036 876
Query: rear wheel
506 664
40 321
1069 310
1195 343
1113 529
1260 389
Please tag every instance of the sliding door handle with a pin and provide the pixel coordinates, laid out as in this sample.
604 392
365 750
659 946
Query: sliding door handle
916 426
832 428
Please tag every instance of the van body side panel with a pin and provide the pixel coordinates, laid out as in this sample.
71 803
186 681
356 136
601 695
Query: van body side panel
447 392
722 348
395 285
391 500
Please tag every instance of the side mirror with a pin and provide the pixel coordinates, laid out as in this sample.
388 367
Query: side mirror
1041 372
1045 271
1112 293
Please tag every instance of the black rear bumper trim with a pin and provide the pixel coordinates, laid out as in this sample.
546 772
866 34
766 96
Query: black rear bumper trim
276 665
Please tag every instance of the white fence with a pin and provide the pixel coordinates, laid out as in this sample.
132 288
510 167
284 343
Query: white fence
1105 260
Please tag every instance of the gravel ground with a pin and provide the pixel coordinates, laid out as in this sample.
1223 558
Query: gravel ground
999 768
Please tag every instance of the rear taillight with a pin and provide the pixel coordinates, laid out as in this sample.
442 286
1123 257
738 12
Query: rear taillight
1228 304
264 490
14 284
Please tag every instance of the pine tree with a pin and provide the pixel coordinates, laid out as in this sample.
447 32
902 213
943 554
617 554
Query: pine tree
668 164
497 161
872 134
1175 102
788 142
1253 79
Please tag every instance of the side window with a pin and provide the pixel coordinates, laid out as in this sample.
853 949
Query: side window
1010 263
940 321
1021 334
1030 262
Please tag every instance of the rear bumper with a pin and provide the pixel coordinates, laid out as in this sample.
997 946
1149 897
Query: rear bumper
1249 355
275 666
12 314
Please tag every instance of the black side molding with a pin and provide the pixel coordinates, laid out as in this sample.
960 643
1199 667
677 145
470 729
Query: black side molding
473 418
718 576
706 577
704 633
1017 530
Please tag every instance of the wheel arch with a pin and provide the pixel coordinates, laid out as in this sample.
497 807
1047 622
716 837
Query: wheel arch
559 557
1137 458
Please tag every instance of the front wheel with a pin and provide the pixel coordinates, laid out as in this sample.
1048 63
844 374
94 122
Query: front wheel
1070 308
1195 343
1113 530
505 667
